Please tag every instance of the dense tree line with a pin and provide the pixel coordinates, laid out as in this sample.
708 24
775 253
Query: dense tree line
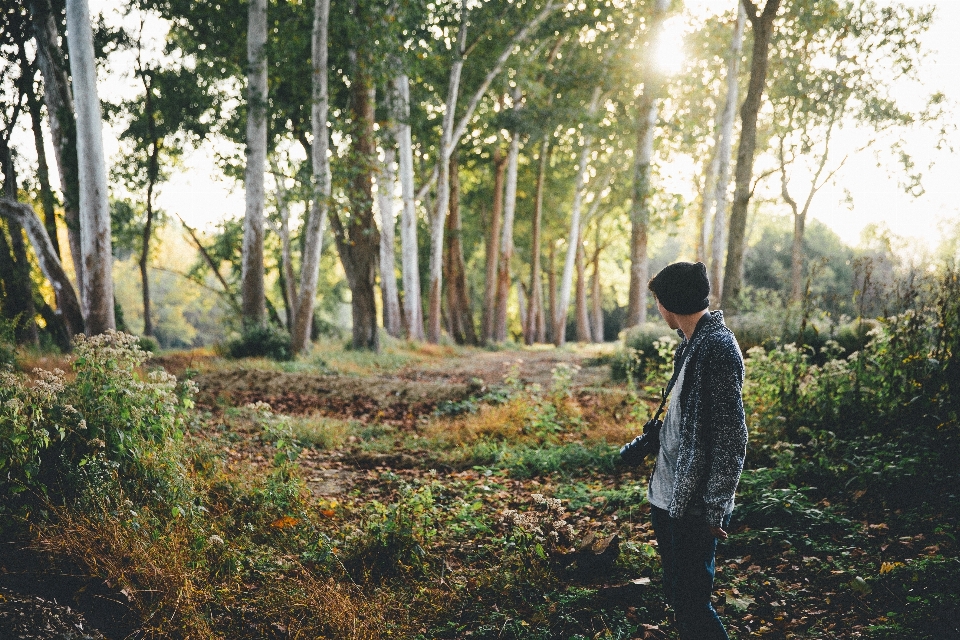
477 167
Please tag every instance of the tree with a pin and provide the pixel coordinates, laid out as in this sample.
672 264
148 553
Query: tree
762 24
62 120
97 283
830 60
172 111
320 165
642 156
252 285
717 181
451 132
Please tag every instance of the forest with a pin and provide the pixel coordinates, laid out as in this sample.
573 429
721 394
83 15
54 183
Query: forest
385 396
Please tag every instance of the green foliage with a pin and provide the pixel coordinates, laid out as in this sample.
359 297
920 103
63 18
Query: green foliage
395 535
265 341
8 343
920 599
107 421
643 349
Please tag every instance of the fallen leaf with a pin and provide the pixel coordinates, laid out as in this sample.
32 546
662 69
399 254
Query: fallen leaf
739 603
284 523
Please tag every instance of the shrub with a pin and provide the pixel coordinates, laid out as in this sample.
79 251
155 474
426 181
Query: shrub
63 438
8 343
266 341
641 352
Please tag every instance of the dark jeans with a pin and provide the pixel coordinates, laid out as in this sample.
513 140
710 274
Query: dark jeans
687 550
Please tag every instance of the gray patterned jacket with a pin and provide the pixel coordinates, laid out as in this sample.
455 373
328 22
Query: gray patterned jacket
713 429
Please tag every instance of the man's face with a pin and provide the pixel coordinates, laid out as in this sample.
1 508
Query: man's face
668 316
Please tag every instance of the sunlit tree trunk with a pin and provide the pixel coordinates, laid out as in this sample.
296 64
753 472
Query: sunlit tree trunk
581 315
506 239
596 296
447 142
532 331
320 166
450 137
409 258
252 274
62 120
550 334
96 250
18 302
566 280
458 302
388 280
488 316
724 146
642 157
762 24
67 301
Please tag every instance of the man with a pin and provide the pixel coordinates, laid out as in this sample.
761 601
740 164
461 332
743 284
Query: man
703 444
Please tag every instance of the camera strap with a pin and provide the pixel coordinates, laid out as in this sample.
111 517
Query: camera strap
677 368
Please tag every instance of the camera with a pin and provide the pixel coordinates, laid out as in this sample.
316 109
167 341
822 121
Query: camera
643 445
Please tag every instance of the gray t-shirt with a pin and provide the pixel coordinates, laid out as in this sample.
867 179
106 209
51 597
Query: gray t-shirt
660 491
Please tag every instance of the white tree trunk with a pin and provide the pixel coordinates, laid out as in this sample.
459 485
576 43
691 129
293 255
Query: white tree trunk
724 147
409 253
320 162
438 218
449 140
96 252
252 287
386 181
506 230
566 280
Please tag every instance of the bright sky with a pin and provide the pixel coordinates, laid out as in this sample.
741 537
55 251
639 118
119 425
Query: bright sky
202 196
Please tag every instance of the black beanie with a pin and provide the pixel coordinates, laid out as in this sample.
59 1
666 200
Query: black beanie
682 287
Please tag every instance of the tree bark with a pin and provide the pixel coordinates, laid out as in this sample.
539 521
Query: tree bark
596 296
566 281
96 250
388 280
581 315
19 286
642 157
458 302
252 292
63 125
488 317
550 334
450 137
153 169
409 250
724 146
320 164
67 301
535 314
447 142
506 239
762 24
43 170
359 241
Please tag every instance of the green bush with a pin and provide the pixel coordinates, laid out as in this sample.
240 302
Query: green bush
62 438
8 343
920 600
642 351
267 341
